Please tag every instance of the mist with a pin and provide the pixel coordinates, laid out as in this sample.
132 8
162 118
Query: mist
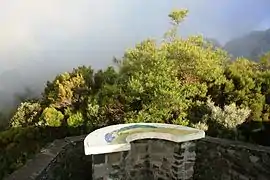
41 38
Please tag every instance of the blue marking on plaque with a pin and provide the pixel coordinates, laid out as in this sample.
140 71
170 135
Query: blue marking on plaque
109 137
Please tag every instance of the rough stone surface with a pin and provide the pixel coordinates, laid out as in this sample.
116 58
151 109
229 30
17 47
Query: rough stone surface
62 160
71 163
149 159
230 160
205 159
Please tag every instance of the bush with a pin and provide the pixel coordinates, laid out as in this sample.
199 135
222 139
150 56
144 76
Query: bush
52 117
75 120
27 114
224 122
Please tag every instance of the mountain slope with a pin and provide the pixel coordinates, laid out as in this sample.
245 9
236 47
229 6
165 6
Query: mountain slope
251 45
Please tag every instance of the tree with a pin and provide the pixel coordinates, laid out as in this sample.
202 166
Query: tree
151 81
168 81
27 114
264 62
245 88
75 119
67 88
51 117
101 78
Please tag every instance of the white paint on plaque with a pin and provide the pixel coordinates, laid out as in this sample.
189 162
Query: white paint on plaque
117 138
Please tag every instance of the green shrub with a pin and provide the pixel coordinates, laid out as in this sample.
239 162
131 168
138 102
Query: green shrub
52 117
224 121
27 114
75 120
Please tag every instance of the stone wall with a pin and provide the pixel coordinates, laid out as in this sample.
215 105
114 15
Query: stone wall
220 159
62 160
215 159
147 159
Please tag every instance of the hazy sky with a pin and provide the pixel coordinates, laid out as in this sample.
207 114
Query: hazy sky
39 38
46 29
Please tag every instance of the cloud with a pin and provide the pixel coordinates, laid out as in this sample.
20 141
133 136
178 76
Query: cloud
39 38
31 26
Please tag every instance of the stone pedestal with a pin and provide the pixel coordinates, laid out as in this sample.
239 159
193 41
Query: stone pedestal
148 158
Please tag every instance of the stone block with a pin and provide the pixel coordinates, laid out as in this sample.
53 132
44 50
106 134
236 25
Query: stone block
124 155
101 171
159 146
156 158
139 147
99 159
113 158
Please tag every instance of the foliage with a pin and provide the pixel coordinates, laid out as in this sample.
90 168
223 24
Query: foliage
19 144
165 82
228 119
62 91
152 82
27 114
176 17
201 125
75 119
51 117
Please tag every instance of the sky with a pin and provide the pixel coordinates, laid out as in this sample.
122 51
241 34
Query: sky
40 38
